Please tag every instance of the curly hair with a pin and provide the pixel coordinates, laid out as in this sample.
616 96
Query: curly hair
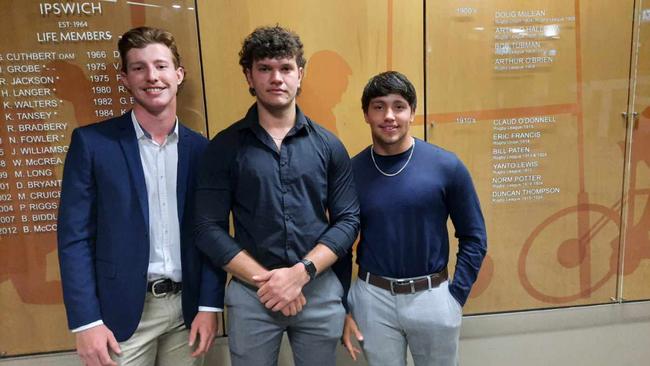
270 42
141 37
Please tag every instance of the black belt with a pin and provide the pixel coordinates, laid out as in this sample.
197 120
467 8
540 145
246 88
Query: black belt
163 286
404 285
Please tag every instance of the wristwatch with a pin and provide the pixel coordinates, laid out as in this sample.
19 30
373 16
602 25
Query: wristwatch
310 267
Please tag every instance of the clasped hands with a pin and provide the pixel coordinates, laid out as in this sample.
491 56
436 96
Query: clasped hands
281 289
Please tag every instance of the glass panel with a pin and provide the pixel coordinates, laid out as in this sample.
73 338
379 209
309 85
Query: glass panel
636 268
345 44
58 70
527 96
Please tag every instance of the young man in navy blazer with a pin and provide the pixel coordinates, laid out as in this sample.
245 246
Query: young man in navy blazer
132 278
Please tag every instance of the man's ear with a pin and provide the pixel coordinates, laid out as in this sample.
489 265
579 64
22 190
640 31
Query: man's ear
180 73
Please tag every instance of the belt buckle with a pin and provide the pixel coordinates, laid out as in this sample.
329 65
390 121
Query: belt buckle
401 283
153 288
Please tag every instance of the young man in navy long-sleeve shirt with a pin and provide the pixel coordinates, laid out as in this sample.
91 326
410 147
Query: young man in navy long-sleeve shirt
408 189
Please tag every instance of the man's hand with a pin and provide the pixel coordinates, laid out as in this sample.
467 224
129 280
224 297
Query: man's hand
295 306
93 345
279 287
205 327
349 328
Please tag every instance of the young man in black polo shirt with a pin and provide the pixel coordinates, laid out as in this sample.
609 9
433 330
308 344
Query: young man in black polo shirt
288 183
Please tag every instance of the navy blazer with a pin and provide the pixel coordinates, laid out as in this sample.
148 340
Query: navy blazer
103 229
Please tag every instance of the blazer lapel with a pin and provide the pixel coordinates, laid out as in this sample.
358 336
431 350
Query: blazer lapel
129 144
184 149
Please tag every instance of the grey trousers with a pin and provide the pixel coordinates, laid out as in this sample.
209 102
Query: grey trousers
255 333
428 321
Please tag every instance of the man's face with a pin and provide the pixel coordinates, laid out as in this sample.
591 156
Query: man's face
152 78
389 118
276 81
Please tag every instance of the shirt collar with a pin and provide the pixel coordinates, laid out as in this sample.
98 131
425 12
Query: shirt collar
141 133
252 119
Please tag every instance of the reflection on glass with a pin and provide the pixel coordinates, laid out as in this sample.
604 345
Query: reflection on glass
518 102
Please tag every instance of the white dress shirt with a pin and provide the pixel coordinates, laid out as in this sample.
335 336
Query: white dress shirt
160 165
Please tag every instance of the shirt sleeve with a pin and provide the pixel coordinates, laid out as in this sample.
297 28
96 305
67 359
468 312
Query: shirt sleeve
87 326
213 202
465 213
210 309
342 202
343 270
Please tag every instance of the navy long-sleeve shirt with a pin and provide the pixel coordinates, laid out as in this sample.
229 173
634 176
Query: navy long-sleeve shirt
404 217
283 202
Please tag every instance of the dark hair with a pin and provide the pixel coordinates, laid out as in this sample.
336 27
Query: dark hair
270 42
141 37
389 82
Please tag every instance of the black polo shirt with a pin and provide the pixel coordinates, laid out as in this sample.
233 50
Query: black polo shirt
283 202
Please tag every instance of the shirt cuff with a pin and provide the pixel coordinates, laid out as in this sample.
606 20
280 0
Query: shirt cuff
88 326
210 309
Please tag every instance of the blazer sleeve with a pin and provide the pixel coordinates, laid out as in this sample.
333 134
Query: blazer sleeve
213 283
213 279
77 228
